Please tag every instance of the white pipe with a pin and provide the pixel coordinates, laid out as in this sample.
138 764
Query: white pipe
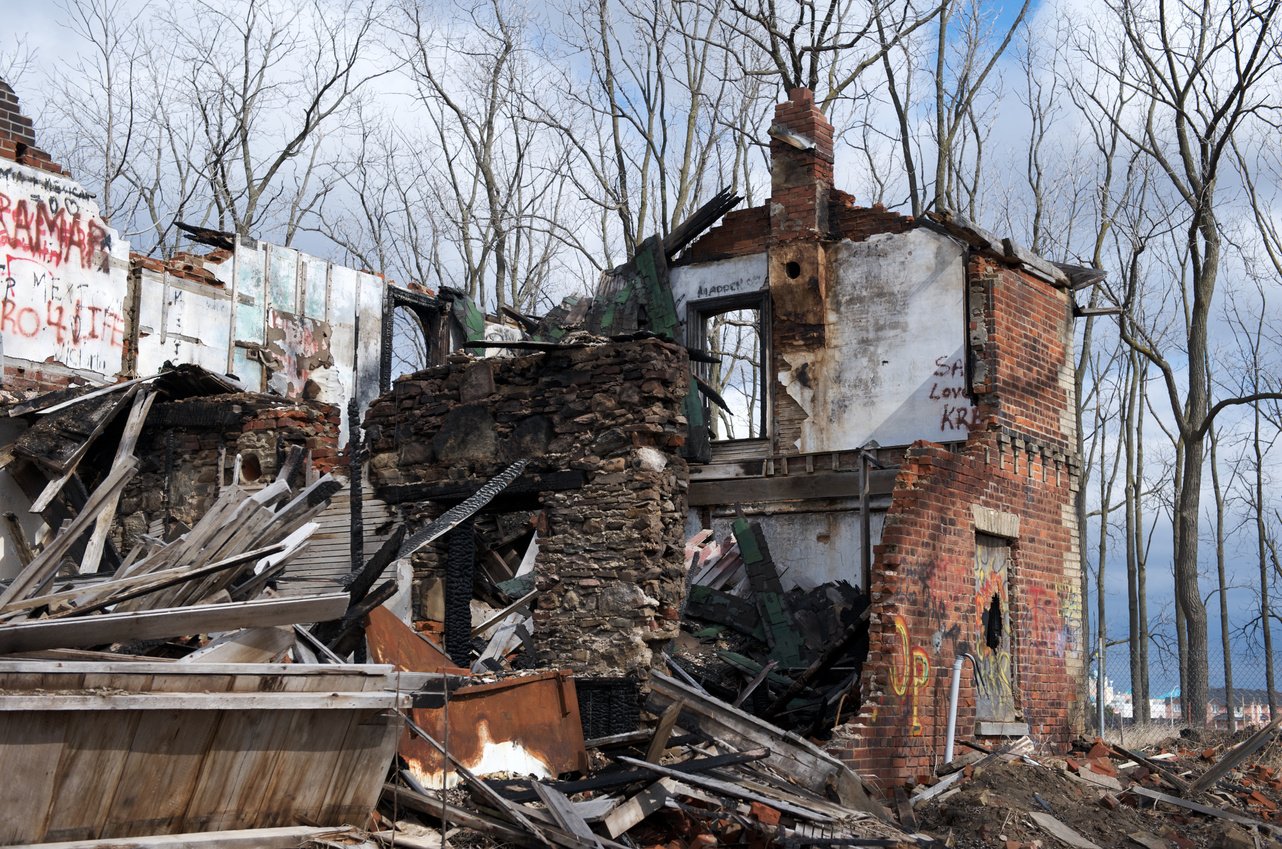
952 703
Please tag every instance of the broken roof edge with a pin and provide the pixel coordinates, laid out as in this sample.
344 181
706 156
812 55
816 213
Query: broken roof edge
182 380
1061 275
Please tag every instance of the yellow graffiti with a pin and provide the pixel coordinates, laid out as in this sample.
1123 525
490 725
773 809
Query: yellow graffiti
910 669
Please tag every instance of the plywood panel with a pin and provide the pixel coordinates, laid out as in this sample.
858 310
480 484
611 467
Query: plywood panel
93 760
30 771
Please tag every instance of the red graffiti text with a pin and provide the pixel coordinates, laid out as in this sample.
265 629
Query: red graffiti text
50 230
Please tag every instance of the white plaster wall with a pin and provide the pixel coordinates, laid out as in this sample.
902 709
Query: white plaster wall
309 303
65 274
892 368
181 321
809 549
737 276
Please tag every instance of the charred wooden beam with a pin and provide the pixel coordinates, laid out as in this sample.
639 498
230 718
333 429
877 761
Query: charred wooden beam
448 492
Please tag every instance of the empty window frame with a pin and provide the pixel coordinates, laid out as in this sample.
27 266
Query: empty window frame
734 330
410 323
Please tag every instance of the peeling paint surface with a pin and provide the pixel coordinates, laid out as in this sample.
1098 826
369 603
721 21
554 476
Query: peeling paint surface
64 272
294 330
300 347
893 368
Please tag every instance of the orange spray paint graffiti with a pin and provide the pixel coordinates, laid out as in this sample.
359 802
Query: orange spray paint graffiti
909 671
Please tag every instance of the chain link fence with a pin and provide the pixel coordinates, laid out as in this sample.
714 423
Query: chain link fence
1237 700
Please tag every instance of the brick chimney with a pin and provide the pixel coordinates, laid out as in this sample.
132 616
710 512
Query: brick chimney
18 137
800 186
800 168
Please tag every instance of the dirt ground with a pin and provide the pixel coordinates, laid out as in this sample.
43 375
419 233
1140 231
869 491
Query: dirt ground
992 808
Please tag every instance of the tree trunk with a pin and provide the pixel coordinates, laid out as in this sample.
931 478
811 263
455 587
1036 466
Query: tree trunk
1130 427
1261 541
1144 692
1204 244
1223 583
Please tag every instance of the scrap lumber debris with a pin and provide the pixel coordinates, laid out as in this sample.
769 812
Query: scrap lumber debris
705 790
792 657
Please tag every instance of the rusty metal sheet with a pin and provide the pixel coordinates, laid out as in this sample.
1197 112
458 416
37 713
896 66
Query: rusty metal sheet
522 726
392 641
526 726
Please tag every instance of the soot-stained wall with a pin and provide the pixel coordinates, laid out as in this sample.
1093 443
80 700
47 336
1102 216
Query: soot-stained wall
603 426
189 448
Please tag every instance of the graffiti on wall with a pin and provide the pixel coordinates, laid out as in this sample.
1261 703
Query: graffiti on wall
995 690
61 300
48 218
1051 619
909 672
948 391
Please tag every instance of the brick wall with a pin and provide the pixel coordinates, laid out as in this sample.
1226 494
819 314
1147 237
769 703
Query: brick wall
611 568
1019 461
189 446
928 601
23 381
18 138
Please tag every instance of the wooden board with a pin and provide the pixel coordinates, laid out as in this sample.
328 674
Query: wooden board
110 628
251 645
799 487
234 751
639 807
289 837
1061 832
1201 809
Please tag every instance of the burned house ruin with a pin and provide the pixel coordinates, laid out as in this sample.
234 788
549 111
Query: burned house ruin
870 492
912 434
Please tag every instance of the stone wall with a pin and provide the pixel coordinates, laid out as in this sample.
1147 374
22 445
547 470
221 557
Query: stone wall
610 569
189 446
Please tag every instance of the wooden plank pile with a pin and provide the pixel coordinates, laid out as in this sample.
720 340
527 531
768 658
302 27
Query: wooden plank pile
207 580
142 698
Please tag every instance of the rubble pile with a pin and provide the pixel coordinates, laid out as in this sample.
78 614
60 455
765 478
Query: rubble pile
792 656
1103 796
191 442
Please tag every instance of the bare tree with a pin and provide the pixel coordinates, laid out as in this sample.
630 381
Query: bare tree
955 73
659 118
823 46
1202 72
16 59
501 210
268 80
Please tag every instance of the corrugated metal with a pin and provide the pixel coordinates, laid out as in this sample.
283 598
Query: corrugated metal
327 557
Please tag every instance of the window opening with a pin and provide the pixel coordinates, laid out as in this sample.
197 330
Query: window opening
409 342
734 336
409 345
